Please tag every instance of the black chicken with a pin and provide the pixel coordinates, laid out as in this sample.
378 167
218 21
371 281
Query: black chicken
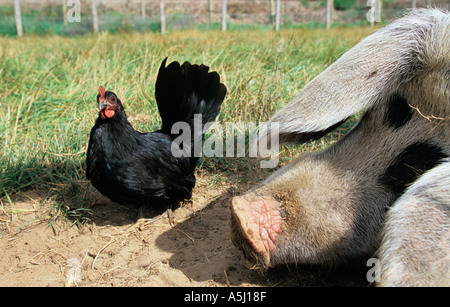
134 168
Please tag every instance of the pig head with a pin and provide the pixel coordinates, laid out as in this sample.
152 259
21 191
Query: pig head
383 190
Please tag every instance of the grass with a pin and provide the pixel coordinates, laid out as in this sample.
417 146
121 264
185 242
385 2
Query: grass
49 84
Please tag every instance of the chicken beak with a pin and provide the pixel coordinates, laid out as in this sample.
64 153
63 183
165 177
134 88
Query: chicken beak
103 105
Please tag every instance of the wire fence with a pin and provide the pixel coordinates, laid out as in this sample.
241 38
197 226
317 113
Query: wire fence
65 17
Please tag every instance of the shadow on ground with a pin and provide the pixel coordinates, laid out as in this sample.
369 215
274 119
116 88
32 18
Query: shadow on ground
206 234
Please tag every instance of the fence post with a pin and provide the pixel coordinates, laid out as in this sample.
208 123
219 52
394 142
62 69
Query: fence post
224 15
143 8
94 17
379 8
374 14
64 11
210 11
330 4
163 16
277 15
413 4
371 13
18 18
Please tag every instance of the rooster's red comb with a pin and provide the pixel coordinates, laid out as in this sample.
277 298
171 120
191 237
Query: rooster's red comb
101 91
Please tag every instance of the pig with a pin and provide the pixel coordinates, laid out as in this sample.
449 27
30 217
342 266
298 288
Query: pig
416 239
383 190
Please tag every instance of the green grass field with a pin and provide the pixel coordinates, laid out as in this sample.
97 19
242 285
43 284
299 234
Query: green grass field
48 86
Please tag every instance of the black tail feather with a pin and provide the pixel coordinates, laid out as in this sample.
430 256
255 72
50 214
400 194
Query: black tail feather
186 90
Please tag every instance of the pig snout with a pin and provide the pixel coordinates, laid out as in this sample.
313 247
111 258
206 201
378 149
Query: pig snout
256 223
310 219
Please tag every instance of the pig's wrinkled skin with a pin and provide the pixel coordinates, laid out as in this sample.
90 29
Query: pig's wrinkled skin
383 190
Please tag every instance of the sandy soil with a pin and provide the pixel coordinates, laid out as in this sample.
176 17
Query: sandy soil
40 248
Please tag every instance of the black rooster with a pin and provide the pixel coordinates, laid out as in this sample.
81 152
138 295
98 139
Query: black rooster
134 168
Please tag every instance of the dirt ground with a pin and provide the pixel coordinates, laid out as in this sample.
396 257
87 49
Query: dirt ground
41 250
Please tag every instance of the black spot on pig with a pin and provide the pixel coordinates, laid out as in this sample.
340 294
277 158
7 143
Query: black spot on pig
399 112
410 164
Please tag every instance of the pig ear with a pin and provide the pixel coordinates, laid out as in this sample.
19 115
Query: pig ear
371 70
